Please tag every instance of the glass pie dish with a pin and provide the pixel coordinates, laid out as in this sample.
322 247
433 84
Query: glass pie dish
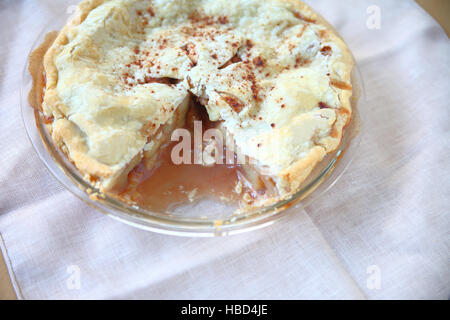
202 218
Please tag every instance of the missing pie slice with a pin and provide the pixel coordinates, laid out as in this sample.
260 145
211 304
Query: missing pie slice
272 76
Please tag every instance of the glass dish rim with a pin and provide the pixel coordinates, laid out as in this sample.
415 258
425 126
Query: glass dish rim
166 223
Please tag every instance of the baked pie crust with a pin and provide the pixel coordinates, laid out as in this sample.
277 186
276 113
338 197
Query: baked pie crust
273 75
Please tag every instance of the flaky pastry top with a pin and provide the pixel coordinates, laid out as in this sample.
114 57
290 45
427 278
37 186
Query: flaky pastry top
272 71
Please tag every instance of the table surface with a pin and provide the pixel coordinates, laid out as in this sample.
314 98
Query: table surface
439 9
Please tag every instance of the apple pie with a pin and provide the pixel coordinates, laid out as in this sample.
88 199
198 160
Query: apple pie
123 75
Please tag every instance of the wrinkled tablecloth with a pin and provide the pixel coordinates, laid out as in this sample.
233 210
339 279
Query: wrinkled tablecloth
381 232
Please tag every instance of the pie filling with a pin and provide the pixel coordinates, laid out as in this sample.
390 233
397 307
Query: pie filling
166 185
124 75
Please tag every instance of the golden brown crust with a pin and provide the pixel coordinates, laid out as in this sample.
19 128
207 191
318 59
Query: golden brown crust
51 71
64 132
293 176
36 69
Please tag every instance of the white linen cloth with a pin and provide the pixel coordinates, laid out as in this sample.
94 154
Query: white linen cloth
382 232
